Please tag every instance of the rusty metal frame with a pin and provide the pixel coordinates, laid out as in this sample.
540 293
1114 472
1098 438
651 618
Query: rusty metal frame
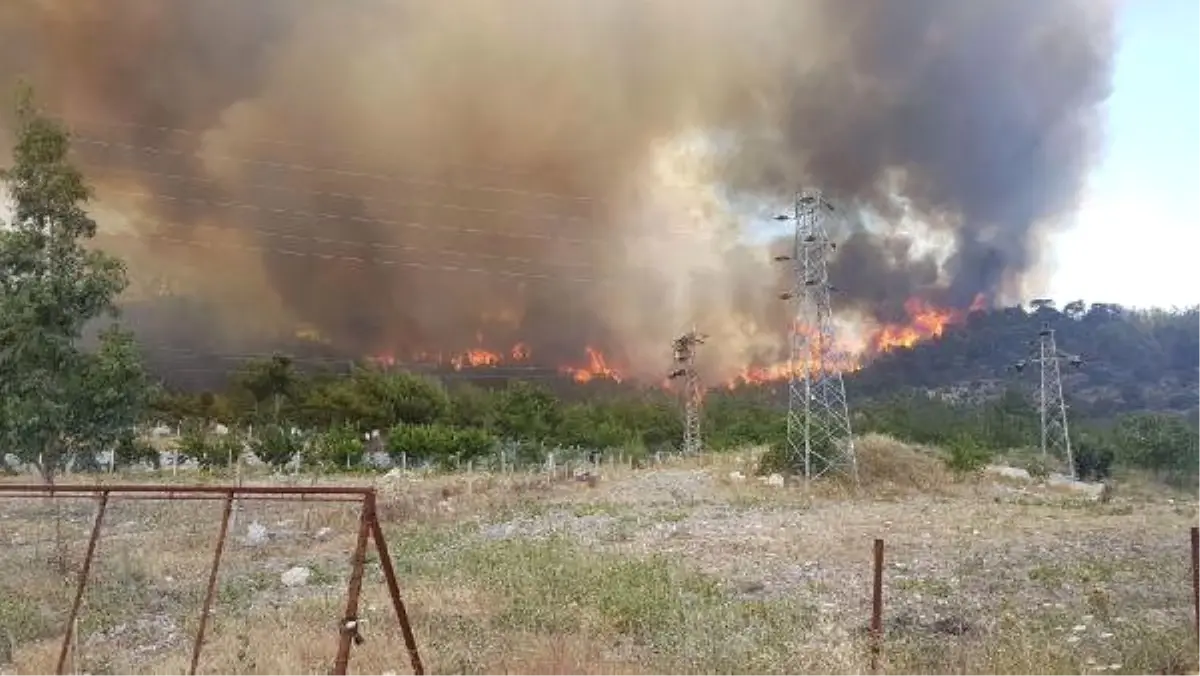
368 528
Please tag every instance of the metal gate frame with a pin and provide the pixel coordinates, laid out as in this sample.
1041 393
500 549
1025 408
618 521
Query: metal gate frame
368 526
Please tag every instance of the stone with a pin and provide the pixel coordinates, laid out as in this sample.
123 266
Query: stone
296 576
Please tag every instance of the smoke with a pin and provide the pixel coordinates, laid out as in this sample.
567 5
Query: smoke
416 175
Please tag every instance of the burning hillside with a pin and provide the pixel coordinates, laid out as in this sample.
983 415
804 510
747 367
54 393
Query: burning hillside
925 322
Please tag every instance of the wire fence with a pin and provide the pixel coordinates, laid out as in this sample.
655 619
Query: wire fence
140 545
506 457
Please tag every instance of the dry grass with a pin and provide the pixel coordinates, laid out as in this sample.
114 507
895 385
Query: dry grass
675 570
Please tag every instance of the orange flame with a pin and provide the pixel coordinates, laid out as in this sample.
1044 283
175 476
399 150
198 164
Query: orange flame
926 321
520 352
597 367
474 357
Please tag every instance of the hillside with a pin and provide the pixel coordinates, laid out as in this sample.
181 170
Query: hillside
1132 360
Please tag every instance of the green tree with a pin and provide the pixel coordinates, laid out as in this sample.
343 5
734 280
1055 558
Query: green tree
1159 442
470 406
341 447
56 398
378 399
270 380
525 412
591 426
276 445
440 444
200 442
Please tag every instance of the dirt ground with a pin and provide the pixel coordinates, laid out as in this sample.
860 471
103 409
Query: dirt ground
696 567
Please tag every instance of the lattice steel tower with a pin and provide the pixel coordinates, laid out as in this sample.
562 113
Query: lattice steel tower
1052 407
818 423
684 348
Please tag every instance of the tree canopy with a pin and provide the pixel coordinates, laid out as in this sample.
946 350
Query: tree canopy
57 399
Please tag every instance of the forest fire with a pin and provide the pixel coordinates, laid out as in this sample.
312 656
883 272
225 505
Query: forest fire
474 358
926 322
758 375
597 368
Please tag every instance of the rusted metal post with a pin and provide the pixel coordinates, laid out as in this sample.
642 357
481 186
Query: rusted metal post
1196 575
877 606
348 629
83 576
212 583
389 574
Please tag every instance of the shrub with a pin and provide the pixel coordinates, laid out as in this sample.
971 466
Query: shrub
1037 466
966 456
776 460
442 445
341 447
883 460
277 445
208 448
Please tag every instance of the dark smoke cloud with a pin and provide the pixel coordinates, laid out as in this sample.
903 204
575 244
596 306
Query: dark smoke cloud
520 169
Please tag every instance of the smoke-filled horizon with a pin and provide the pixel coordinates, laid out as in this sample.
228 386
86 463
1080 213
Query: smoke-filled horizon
409 176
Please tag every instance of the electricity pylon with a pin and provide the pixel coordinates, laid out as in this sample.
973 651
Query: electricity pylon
684 348
1052 407
818 423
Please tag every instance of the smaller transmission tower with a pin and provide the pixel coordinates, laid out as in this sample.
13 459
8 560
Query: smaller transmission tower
1052 407
684 348
818 422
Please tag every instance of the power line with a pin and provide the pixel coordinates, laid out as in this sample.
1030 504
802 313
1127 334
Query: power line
316 215
311 169
374 244
360 260
448 206
77 121
668 236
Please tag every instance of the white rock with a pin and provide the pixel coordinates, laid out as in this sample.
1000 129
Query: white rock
256 534
1091 489
295 577
323 533
1009 472
775 480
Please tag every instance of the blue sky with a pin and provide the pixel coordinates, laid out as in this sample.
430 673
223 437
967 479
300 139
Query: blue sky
1136 240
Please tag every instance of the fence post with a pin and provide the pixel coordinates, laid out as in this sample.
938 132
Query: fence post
1196 575
877 606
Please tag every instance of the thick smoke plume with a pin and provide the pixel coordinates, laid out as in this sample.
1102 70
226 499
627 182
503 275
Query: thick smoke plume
416 175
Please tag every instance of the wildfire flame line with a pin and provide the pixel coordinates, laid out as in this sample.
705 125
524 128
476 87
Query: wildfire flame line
925 322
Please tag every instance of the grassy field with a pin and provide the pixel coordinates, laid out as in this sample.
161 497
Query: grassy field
682 568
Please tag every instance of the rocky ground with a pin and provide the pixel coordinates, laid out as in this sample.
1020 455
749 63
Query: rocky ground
693 567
